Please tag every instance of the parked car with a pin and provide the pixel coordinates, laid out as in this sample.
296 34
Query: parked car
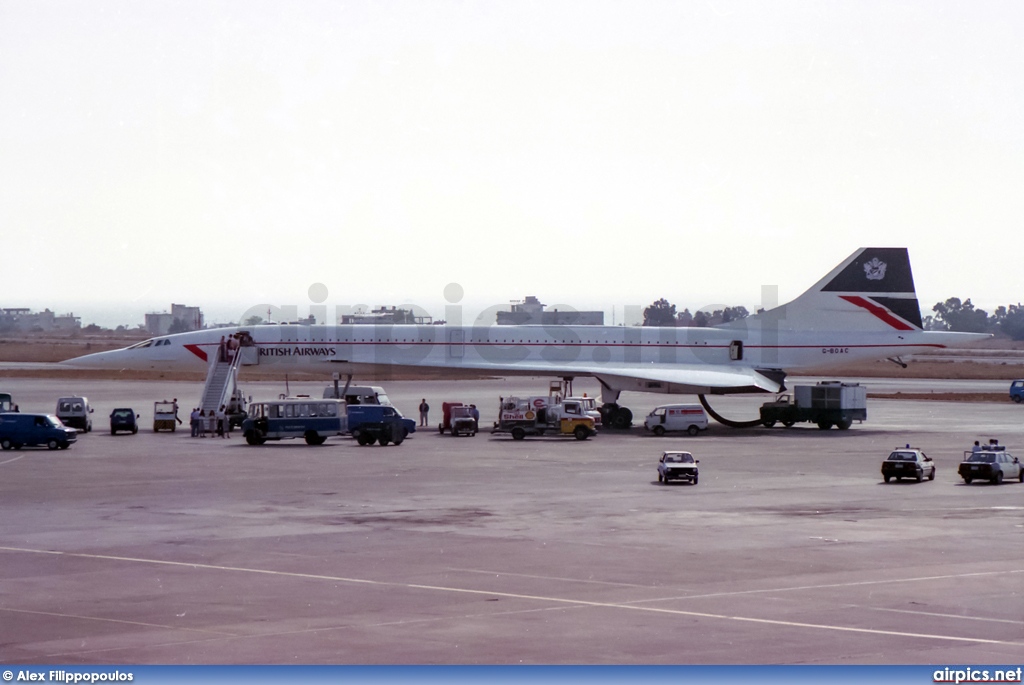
124 419
992 464
19 430
1017 391
908 462
677 466
74 412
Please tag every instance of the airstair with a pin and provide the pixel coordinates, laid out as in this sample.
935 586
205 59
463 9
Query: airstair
221 380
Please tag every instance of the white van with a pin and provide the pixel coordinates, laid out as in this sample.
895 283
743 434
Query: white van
359 394
677 417
74 412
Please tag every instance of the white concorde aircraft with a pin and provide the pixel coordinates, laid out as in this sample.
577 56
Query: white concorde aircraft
865 308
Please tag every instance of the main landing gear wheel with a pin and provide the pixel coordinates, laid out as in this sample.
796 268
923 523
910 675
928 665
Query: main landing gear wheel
619 418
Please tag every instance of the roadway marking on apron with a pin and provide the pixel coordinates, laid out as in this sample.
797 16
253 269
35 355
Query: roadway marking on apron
828 586
939 615
537 598
21 456
118 620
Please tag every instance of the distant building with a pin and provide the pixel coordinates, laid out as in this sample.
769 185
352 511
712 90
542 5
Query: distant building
386 316
531 311
25 320
159 324
180 319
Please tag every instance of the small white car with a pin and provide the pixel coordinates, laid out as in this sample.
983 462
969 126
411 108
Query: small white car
677 466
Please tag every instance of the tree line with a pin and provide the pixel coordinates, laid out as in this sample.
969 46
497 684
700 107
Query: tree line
663 313
954 315
951 315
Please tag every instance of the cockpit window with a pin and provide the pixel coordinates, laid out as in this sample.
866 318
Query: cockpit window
139 346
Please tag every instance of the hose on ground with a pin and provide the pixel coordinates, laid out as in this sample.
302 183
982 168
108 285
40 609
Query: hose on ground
724 421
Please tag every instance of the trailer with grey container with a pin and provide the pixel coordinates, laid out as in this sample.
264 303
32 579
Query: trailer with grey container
828 403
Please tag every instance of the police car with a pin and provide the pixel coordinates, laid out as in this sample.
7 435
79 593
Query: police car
908 462
992 463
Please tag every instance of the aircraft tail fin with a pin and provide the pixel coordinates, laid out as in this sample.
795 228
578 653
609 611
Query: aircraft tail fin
873 289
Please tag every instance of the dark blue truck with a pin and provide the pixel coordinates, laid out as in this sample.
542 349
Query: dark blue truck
380 423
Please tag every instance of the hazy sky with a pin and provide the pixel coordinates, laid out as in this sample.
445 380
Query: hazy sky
226 154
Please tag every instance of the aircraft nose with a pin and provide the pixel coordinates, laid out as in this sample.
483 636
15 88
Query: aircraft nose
96 360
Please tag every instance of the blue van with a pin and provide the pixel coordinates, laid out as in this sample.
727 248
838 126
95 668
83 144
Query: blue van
1017 391
19 430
